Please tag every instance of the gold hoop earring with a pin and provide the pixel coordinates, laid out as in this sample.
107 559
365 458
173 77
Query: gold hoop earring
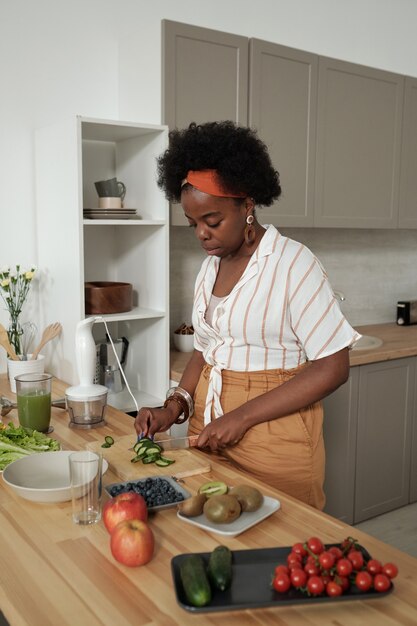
249 230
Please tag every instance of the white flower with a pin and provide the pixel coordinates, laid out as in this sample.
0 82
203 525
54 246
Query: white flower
29 275
5 283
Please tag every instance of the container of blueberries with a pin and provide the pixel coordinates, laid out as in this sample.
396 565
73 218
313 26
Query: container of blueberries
159 492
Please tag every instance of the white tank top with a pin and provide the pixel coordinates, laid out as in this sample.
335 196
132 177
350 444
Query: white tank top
214 301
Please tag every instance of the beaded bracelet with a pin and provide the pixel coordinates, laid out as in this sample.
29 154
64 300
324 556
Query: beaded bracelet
183 406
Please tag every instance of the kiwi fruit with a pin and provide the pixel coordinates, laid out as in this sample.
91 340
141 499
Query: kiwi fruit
191 507
222 509
250 498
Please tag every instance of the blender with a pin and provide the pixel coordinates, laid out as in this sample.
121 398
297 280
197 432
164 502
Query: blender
86 402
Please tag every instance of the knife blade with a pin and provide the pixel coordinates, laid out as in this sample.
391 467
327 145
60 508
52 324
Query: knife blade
177 443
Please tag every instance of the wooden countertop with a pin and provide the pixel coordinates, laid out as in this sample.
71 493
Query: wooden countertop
54 572
398 342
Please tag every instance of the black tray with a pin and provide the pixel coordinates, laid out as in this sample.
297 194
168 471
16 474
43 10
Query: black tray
251 583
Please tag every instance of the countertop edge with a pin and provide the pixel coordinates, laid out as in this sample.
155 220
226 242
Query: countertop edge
398 342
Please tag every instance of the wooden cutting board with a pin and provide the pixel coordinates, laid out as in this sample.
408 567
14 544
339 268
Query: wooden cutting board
119 458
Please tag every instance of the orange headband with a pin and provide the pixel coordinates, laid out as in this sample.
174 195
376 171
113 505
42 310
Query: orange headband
208 182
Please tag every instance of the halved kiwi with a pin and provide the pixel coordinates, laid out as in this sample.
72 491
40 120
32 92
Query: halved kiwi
214 488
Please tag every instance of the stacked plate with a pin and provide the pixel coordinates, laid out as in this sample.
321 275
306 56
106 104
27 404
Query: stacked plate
110 214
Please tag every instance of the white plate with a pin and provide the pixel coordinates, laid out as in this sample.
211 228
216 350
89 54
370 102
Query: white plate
242 523
42 477
112 216
94 211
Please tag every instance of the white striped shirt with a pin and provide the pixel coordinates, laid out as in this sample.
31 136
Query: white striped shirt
281 313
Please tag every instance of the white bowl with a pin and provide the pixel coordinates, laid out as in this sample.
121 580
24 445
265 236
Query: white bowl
184 343
42 477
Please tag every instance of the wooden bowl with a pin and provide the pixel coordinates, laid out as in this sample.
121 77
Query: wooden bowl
107 297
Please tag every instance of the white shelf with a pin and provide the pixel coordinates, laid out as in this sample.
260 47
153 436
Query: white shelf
74 250
137 222
124 402
137 313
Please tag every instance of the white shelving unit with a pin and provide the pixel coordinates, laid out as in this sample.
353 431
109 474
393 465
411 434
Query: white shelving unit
70 157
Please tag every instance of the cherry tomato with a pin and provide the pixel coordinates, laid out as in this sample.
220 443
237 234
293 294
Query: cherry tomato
344 567
363 581
295 565
348 544
374 566
326 578
390 570
326 560
298 578
381 583
315 545
337 553
315 585
298 548
333 589
281 569
294 557
343 581
356 558
281 583
311 569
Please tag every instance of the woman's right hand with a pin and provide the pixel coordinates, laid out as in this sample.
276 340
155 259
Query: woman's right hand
152 420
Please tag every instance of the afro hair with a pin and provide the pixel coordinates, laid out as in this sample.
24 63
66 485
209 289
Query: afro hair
240 158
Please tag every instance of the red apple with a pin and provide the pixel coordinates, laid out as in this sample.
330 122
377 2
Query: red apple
132 543
125 506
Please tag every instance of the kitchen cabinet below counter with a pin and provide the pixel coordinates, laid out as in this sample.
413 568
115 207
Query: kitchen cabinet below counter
369 423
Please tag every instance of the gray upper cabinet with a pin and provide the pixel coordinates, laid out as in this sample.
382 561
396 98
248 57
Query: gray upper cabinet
408 179
205 78
385 408
358 146
282 107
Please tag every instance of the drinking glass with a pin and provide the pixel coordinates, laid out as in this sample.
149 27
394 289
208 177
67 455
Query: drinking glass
34 401
86 486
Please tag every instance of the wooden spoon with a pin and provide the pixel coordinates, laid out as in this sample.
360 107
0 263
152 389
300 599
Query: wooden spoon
51 331
4 341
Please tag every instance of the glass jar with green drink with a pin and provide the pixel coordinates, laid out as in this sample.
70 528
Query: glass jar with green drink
34 401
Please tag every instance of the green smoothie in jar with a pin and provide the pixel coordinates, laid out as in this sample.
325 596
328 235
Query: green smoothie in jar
34 409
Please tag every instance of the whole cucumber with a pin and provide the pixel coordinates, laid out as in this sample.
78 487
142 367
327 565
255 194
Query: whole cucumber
220 567
194 580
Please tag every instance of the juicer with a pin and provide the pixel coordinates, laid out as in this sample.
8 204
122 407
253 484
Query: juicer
86 402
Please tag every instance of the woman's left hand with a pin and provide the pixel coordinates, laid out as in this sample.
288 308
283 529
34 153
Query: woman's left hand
223 432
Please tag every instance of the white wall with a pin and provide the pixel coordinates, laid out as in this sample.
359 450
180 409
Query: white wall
102 58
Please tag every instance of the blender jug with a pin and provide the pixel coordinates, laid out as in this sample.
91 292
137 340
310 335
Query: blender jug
110 375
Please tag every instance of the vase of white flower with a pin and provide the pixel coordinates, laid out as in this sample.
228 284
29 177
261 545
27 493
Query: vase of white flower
14 288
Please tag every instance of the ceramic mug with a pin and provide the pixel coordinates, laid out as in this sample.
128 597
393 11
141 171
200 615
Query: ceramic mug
111 188
110 203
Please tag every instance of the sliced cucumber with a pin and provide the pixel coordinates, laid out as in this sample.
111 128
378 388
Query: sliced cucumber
106 445
153 450
151 458
163 461
109 440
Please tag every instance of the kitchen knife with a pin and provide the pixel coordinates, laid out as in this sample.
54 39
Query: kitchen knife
177 443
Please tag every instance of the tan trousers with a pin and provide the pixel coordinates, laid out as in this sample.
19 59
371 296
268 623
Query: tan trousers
286 453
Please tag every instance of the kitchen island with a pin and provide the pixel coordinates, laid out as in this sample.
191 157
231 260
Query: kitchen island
54 572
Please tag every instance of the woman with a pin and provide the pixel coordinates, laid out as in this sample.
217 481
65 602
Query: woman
270 339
